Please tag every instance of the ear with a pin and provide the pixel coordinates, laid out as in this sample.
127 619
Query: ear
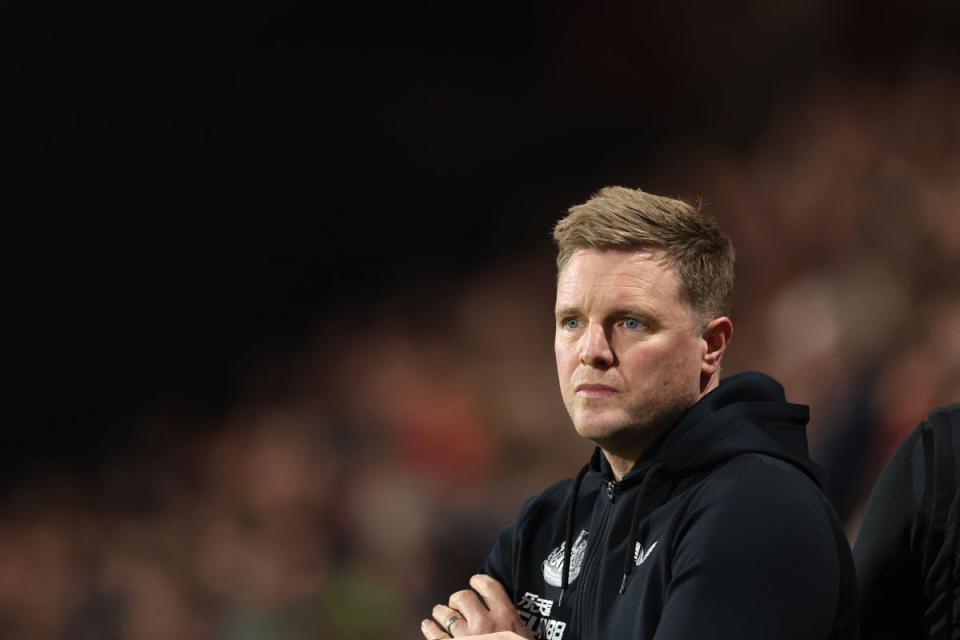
716 336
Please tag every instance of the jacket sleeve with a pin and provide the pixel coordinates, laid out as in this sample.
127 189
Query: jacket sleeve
887 549
499 563
760 555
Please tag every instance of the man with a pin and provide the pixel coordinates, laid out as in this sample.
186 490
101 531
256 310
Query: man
908 550
698 515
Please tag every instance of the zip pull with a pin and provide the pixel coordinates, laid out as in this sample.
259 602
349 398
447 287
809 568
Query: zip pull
611 489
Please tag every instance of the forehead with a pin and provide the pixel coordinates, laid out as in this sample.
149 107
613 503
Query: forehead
594 276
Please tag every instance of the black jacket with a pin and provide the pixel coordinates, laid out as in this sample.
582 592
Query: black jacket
720 531
908 549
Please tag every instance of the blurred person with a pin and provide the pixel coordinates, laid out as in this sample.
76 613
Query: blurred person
907 552
699 514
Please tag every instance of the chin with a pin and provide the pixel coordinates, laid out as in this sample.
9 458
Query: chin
599 428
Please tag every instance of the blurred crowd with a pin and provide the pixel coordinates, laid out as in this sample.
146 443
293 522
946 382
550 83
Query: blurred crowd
363 478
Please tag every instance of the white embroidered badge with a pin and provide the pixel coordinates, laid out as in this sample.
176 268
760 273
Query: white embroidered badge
553 565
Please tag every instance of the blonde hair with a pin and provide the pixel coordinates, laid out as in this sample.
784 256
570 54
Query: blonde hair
618 218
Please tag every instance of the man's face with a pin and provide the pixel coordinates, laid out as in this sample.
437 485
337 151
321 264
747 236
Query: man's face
628 352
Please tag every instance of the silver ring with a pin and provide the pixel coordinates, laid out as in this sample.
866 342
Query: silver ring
450 622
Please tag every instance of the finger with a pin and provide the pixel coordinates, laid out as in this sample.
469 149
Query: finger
493 593
450 620
469 605
432 631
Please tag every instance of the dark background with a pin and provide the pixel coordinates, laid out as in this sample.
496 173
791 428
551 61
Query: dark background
199 183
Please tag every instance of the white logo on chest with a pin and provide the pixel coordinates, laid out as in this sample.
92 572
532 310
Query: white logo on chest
553 565
639 555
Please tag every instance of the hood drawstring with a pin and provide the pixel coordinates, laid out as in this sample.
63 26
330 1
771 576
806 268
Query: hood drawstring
628 560
568 544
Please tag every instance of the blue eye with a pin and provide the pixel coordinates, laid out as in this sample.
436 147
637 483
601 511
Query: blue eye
571 323
632 323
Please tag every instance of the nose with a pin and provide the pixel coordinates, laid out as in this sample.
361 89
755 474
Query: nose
595 348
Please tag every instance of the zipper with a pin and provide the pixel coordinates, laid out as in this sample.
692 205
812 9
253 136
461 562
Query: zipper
587 591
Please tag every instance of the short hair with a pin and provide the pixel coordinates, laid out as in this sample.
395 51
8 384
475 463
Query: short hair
617 218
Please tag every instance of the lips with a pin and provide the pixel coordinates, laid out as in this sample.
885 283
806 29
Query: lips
594 390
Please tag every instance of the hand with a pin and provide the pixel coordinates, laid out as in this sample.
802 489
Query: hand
466 615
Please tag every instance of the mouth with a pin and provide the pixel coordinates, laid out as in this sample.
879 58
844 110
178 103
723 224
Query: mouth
594 390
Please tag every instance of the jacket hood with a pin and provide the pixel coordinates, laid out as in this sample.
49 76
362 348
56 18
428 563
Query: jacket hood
746 413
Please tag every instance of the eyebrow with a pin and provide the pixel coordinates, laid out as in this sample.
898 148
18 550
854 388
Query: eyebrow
619 312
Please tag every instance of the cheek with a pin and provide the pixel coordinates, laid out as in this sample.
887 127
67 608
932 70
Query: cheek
566 354
665 362
561 363
565 373
684 369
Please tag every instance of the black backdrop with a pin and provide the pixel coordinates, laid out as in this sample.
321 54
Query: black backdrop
192 186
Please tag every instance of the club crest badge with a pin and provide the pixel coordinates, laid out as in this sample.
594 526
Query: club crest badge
553 565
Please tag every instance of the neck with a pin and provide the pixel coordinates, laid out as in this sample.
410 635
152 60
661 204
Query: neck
623 455
619 464
623 459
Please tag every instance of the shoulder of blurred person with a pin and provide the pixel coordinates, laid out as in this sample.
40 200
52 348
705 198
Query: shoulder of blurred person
907 552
